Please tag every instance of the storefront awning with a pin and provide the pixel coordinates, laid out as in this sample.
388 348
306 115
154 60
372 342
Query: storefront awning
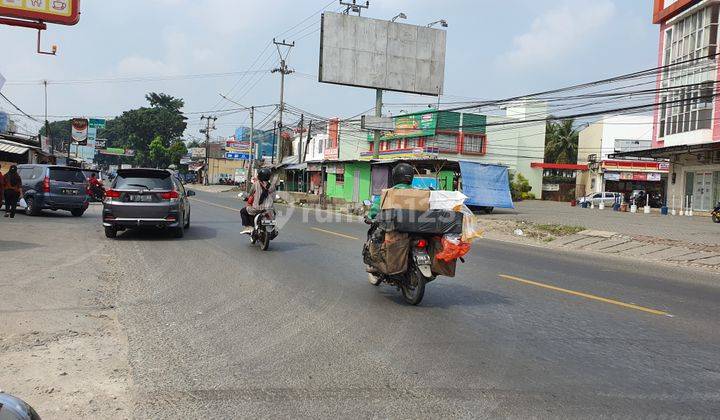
667 152
562 166
296 167
12 147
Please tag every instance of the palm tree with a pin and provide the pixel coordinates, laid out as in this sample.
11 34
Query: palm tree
561 141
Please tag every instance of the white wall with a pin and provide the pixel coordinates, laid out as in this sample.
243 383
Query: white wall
624 127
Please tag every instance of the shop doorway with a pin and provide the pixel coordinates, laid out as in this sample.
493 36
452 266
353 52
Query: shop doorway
702 191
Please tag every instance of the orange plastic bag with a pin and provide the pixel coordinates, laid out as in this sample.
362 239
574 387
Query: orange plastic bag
452 248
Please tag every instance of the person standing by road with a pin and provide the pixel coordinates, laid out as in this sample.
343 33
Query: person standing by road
13 189
2 187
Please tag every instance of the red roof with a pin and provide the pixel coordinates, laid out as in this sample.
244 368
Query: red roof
567 166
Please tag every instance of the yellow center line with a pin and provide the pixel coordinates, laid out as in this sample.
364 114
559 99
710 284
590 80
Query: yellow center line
213 204
329 232
586 295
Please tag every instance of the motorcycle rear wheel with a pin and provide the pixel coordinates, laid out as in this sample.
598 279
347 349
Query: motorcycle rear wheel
716 218
413 289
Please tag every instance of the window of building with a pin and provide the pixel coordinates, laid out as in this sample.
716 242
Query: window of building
446 142
473 144
688 88
339 178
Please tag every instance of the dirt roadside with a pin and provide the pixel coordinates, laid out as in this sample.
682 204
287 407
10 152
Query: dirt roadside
61 346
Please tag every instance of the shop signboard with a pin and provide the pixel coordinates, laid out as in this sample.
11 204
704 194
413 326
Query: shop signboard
639 176
62 12
96 123
654 177
612 176
626 176
197 152
237 156
331 153
412 125
551 187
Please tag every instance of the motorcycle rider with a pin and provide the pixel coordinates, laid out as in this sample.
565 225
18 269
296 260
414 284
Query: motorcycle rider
95 186
402 177
260 199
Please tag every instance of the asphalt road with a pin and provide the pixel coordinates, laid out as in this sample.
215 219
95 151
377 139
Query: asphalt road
217 328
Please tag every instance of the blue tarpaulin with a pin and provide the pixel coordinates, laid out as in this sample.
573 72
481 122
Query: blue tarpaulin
425 183
486 185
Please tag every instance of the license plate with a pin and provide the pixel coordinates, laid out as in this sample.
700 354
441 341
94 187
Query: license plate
268 223
69 191
140 198
422 259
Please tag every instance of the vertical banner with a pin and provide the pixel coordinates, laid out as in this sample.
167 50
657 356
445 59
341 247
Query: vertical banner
80 130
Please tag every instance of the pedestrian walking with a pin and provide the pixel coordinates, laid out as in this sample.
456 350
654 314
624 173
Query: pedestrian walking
2 187
12 186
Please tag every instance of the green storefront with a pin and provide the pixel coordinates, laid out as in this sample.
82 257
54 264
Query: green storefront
349 181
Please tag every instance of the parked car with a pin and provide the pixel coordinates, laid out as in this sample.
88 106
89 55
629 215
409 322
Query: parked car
146 198
608 198
53 187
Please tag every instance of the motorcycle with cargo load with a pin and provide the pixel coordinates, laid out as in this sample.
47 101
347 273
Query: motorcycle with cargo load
416 237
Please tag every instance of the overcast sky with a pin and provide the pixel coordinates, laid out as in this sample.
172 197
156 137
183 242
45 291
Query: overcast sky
495 49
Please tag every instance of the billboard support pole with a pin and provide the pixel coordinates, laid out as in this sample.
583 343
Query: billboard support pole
378 113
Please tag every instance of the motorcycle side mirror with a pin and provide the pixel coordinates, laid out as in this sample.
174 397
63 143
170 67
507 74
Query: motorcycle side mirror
242 195
367 203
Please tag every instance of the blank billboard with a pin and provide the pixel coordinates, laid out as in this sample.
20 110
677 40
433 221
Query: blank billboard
379 54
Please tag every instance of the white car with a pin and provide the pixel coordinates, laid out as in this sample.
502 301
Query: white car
608 198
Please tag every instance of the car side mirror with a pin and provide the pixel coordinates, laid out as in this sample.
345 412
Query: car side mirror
190 193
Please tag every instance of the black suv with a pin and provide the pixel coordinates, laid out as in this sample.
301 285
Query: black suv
53 187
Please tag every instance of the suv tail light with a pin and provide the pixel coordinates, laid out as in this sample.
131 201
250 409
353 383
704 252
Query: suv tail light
112 194
46 184
170 195
421 243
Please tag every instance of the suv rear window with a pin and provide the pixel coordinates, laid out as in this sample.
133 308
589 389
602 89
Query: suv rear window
66 175
151 180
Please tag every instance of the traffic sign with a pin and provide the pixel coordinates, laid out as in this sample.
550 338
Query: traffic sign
237 156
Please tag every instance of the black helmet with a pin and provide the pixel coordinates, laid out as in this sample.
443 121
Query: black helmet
403 174
15 408
264 174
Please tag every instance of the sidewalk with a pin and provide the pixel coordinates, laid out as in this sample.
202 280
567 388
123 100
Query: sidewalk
672 240
210 188
693 230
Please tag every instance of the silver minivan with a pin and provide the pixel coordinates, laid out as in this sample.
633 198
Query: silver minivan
607 198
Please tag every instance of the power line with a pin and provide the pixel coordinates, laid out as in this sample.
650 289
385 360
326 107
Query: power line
16 107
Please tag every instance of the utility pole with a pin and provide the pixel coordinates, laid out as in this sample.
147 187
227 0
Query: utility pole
256 159
47 124
307 142
300 145
283 70
206 130
378 113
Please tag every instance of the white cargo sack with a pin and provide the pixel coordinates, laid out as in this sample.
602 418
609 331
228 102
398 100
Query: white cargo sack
446 200
22 203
